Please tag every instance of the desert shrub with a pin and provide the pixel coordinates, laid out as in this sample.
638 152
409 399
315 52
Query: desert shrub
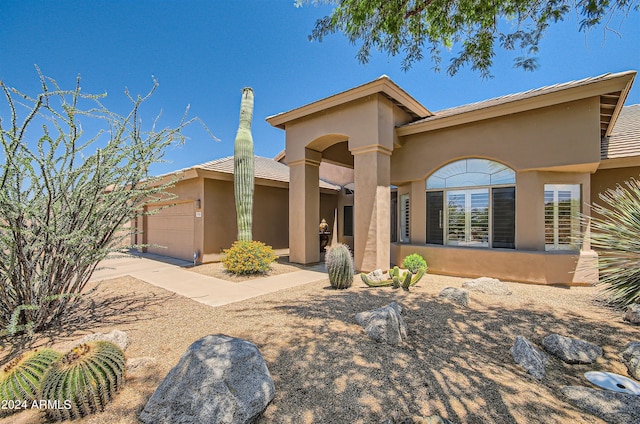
414 262
615 233
248 257
66 196
340 266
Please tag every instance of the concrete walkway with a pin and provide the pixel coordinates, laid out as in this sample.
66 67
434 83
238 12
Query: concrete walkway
169 274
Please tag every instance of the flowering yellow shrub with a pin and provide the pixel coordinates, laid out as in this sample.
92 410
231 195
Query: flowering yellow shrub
248 257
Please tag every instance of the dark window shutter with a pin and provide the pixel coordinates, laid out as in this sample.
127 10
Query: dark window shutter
504 217
394 216
348 221
435 224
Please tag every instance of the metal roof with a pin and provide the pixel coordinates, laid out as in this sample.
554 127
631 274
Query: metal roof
624 140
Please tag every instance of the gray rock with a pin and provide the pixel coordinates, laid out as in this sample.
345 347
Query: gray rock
633 314
219 379
571 351
116 337
631 358
488 286
384 324
529 357
136 364
376 276
613 407
456 295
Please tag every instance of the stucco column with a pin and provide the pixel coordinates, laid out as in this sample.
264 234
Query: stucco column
371 207
304 208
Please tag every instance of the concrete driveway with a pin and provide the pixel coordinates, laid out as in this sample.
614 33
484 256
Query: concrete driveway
170 274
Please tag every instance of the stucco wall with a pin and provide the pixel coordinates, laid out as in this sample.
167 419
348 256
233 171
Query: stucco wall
270 216
605 179
565 268
565 137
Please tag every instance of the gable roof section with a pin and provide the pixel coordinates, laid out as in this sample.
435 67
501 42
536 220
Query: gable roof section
382 85
624 140
612 88
265 168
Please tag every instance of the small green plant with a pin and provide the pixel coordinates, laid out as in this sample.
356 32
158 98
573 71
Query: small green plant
21 378
414 262
340 266
84 380
248 257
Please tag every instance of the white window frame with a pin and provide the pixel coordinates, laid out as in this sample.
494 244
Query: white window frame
575 198
467 217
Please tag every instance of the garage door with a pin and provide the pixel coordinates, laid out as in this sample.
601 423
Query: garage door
173 229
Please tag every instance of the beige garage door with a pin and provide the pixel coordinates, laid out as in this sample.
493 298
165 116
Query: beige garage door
173 229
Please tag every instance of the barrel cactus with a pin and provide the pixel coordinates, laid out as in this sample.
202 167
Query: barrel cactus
340 266
243 164
84 379
21 378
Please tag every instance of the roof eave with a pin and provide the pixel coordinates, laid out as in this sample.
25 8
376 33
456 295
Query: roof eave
383 85
619 82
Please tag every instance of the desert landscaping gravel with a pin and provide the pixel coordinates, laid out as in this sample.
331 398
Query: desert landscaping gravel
455 363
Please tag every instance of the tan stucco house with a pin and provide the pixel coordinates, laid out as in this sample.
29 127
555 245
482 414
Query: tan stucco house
492 188
201 220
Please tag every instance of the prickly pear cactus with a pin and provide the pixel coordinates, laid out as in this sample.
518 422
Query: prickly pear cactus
340 266
21 378
243 164
84 380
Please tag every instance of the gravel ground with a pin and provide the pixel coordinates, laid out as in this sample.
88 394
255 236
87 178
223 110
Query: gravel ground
326 370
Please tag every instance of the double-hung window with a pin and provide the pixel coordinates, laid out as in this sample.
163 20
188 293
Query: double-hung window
561 216
471 202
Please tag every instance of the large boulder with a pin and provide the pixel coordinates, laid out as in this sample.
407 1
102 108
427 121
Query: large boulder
219 379
456 295
384 324
487 285
529 357
633 314
631 358
571 351
613 407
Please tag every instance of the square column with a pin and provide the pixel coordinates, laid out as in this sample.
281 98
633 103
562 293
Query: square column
304 208
372 230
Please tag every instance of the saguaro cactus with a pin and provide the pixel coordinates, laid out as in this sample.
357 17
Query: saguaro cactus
243 167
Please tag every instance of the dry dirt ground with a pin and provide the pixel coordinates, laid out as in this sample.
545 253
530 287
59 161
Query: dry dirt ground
456 361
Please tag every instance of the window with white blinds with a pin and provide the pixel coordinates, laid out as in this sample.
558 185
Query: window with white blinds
471 202
561 216
404 218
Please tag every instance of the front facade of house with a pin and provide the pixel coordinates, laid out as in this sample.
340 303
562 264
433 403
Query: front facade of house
200 222
493 188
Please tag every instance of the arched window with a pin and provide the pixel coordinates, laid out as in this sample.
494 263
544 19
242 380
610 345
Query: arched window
471 202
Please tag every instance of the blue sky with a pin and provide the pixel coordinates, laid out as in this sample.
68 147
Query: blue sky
204 52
